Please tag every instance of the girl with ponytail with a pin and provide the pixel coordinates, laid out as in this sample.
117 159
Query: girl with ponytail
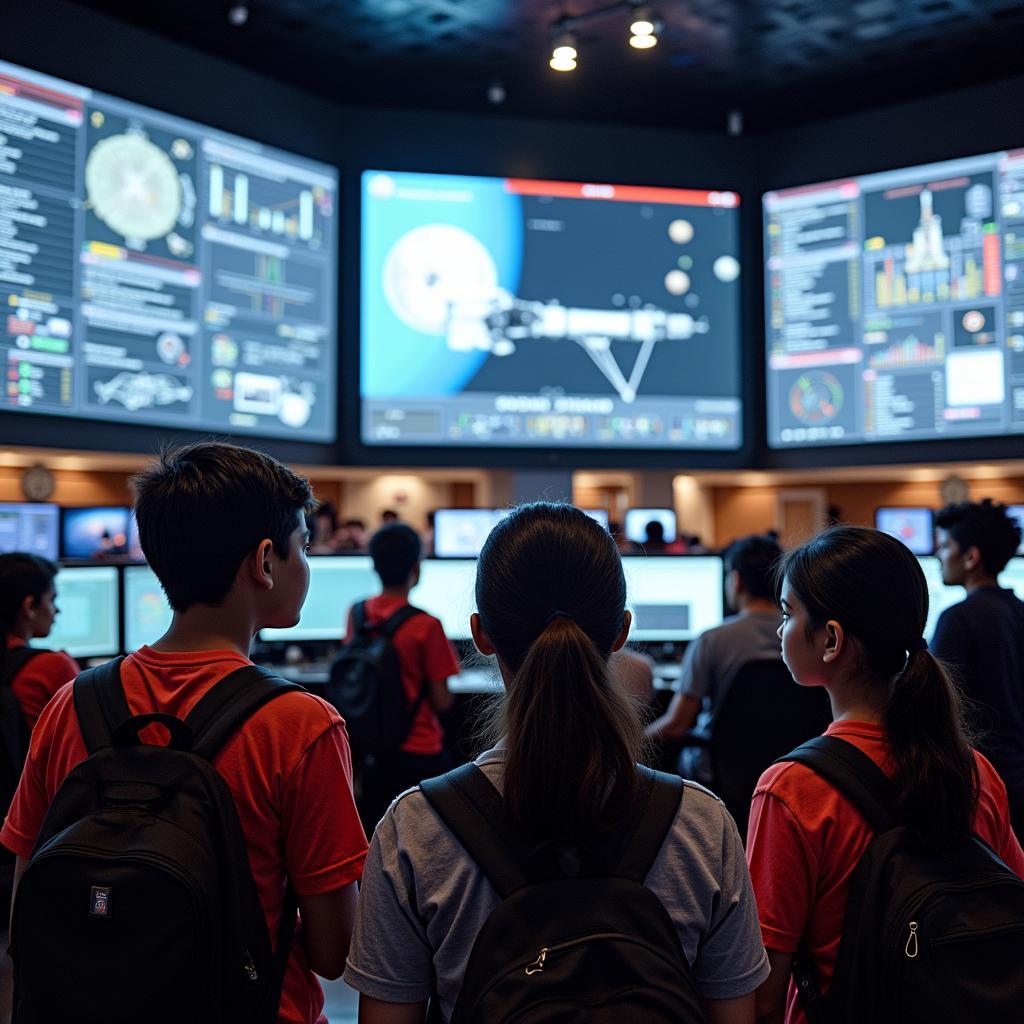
551 596
854 604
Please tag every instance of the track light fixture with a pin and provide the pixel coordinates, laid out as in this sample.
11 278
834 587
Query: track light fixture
563 56
644 26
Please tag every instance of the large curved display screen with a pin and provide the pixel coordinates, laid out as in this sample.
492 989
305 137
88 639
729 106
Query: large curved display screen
499 311
153 270
895 305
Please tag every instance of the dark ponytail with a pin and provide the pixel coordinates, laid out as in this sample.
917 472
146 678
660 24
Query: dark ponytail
873 586
551 597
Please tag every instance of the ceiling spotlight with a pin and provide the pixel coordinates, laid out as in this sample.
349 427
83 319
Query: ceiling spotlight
238 14
563 56
644 28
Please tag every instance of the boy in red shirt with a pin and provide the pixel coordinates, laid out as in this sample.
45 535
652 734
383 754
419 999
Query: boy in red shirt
28 608
426 660
223 528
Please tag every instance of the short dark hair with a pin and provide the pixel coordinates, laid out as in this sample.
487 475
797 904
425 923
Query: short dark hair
203 507
654 532
395 550
754 558
986 525
22 575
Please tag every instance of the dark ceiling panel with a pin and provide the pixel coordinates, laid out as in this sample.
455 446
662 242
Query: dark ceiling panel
778 61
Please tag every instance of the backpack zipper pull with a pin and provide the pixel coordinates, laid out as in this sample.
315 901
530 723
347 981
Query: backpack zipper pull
538 965
911 947
249 967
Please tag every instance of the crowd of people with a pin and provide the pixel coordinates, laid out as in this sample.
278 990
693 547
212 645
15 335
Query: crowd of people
631 894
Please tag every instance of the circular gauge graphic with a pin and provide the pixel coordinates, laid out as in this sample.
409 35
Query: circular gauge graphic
133 187
432 268
816 397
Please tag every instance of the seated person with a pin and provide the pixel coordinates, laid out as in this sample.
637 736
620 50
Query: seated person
634 672
712 660
28 608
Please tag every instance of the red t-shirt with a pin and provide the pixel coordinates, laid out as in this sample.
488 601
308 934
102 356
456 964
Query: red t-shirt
288 769
425 656
805 839
39 679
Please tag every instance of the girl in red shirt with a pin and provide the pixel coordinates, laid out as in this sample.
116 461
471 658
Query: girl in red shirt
854 605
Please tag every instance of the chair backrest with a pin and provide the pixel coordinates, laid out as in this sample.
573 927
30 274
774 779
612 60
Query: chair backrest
764 715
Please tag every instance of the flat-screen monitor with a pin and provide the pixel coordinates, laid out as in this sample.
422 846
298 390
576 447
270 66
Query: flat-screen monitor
461 532
95 532
160 271
1017 511
1012 577
505 312
336 582
447 590
673 598
895 304
29 527
599 515
915 527
637 520
88 625
147 615
940 596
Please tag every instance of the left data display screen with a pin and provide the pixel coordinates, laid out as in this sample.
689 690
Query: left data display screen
153 270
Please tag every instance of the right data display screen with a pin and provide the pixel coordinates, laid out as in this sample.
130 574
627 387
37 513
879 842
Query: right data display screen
514 312
895 304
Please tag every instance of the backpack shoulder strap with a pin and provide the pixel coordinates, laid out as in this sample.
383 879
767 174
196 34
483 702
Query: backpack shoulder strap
100 704
658 809
853 773
472 808
15 660
389 627
227 705
358 617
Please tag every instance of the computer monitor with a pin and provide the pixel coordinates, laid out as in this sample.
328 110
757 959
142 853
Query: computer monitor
447 590
163 271
892 305
914 526
461 532
88 625
500 312
147 615
638 518
29 527
1012 577
95 532
673 598
336 582
1017 511
598 514
940 596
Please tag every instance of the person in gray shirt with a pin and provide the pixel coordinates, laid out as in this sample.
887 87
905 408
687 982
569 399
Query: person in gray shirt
551 598
713 660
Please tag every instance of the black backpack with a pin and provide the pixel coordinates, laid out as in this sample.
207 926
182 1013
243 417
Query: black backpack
366 683
577 936
138 901
929 937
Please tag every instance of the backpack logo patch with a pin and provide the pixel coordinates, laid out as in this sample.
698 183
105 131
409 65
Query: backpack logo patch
99 903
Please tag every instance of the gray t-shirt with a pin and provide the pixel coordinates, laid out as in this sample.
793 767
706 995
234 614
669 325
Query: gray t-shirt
423 901
710 665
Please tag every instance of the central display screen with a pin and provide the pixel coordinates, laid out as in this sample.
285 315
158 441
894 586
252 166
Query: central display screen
154 270
895 305
500 311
